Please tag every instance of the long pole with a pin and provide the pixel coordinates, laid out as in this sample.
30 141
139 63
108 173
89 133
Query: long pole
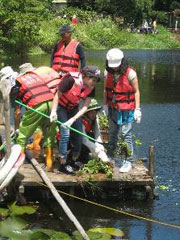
57 196
7 125
45 115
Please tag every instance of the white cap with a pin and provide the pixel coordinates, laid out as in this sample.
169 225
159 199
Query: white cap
114 57
6 72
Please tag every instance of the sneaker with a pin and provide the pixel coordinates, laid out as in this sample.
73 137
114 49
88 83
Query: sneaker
126 167
77 165
67 169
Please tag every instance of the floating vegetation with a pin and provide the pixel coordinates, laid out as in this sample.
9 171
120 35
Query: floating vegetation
97 166
13 227
111 231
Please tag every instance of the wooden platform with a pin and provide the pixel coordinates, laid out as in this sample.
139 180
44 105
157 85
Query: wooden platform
135 181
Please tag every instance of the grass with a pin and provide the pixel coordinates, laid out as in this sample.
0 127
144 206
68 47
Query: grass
104 34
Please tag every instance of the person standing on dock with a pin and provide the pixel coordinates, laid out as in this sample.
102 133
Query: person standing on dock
36 87
122 103
68 53
73 88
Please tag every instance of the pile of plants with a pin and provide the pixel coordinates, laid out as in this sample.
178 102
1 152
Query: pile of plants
97 166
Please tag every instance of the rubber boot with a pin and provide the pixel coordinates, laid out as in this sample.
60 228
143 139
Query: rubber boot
35 145
49 158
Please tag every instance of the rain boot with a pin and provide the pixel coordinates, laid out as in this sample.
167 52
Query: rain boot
35 145
49 158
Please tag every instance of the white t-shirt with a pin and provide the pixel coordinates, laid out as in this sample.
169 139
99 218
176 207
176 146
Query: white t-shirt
131 76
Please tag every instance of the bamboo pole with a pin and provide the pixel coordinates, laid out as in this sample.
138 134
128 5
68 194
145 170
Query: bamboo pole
57 196
7 125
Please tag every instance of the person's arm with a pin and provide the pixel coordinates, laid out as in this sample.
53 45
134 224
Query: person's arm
105 80
135 86
17 116
80 52
83 109
52 55
55 101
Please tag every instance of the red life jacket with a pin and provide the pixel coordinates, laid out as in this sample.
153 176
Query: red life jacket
87 124
71 98
33 89
50 76
120 95
65 58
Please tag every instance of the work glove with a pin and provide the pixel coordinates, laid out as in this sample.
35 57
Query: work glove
68 123
103 156
53 116
105 110
137 115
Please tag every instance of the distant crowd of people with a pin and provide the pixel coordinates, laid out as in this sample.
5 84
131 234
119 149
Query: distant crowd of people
145 28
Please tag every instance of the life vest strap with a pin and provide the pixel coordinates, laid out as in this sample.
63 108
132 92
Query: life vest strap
67 57
34 96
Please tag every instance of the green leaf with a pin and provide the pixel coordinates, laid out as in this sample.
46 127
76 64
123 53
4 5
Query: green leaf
12 224
4 212
60 235
20 210
39 235
111 231
92 235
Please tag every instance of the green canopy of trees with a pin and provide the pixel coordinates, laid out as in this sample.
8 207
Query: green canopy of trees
20 20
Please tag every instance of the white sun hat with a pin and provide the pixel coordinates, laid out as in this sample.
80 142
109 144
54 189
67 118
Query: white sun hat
7 80
6 72
114 57
25 68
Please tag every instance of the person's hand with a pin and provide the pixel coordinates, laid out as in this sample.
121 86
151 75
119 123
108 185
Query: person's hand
68 123
103 156
137 115
105 110
53 116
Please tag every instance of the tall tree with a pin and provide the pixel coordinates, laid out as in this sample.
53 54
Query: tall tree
20 23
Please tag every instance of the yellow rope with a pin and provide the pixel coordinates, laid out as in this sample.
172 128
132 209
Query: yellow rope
115 210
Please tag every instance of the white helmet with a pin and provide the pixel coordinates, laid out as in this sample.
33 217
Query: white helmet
114 57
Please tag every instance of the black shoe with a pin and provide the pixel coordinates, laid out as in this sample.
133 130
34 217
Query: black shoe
67 169
77 165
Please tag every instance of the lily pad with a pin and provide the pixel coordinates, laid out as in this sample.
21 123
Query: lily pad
20 210
60 235
12 224
4 212
111 231
92 235
38 235
53 235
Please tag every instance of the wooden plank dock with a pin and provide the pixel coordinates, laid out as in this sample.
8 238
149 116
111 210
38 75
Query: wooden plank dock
135 184
138 183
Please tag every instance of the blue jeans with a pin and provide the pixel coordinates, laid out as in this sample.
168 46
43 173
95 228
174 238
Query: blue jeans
65 114
119 131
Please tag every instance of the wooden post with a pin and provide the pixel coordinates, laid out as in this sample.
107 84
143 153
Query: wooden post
7 126
1 113
151 161
57 196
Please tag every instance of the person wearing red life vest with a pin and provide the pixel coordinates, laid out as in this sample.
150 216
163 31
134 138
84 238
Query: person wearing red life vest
68 53
36 88
73 88
122 103
74 20
91 127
